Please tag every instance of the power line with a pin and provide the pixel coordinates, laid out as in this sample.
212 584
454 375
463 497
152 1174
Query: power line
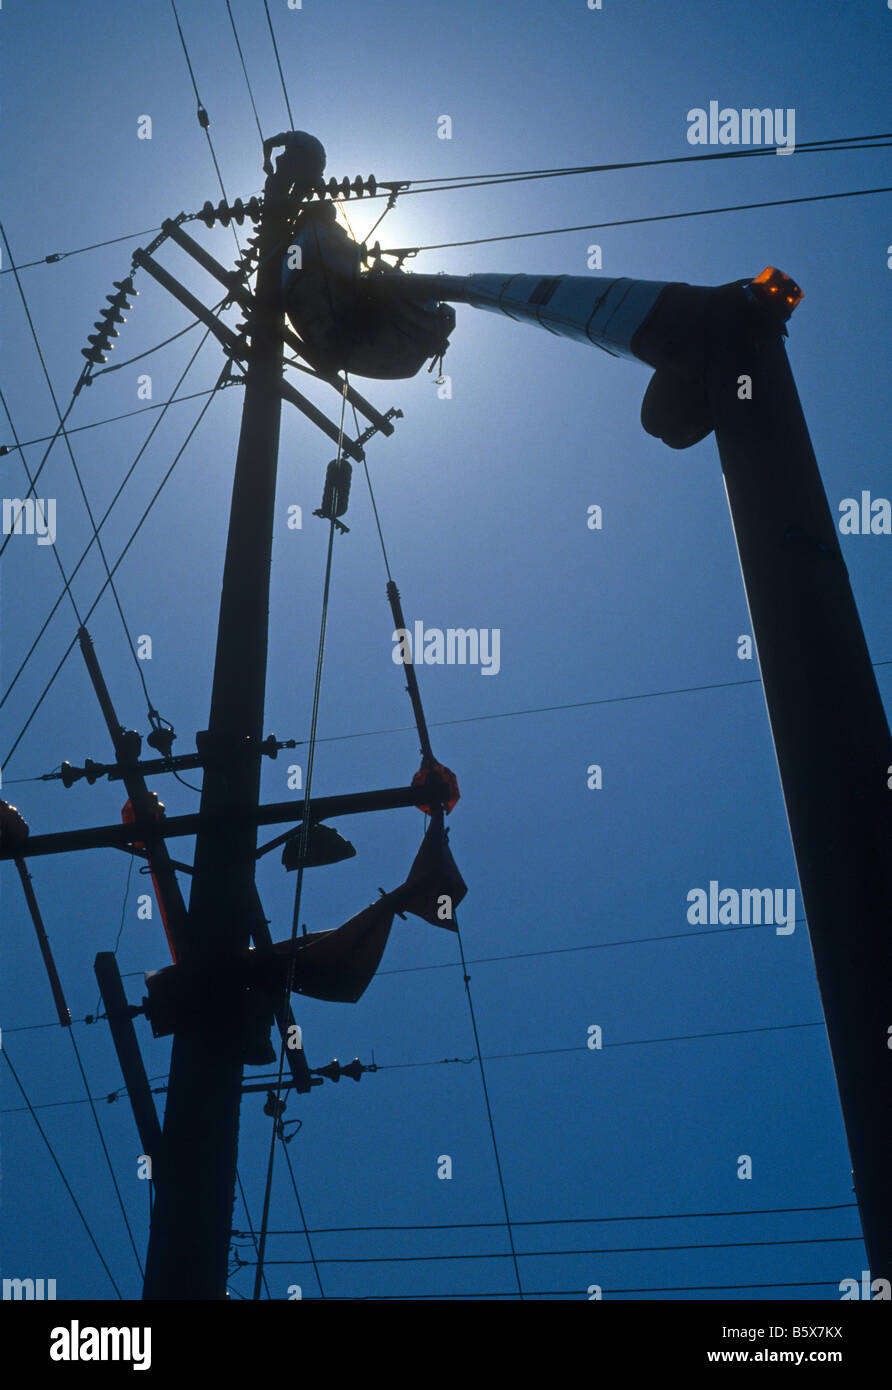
579 1293
109 508
244 70
843 145
181 333
204 119
79 250
566 1221
305 1231
582 1047
542 1254
110 419
492 1128
279 66
635 221
567 950
133 536
499 1056
105 1150
77 473
505 714
250 1222
31 488
68 1188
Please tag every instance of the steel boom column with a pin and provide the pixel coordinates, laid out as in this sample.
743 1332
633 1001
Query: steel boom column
191 1227
830 733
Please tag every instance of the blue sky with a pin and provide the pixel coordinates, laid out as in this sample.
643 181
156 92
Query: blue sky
576 911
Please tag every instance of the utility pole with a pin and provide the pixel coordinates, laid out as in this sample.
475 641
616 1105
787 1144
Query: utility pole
192 1221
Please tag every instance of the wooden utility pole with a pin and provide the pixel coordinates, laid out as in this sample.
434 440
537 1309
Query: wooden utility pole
192 1221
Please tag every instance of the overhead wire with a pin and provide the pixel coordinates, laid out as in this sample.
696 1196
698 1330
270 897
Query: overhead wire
79 250
48 686
77 1206
109 420
204 119
272 35
138 664
566 1221
579 1293
543 1254
31 488
250 1222
841 144
245 71
634 221
305 1232
105 1151
492 1056
505 714
838 143
172 399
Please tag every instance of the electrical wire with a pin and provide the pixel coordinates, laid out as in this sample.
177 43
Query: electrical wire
116 367
31 488
279 66
542 1254
634 221
505 714
842 144
79 250
563 1221
577 1293
489 1116
134 534
245 71
250 1223
110 507
105 1151
568 950
512 1056
31 1108
77 473
204 119
305 1231
109 419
